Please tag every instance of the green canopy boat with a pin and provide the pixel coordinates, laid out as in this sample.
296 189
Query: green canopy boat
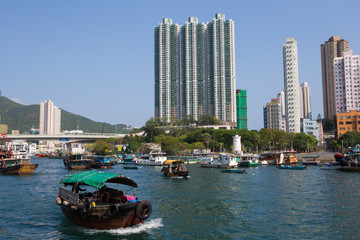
105 208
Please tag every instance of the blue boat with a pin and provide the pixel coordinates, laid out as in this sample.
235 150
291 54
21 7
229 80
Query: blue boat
234 170
102 162
292 167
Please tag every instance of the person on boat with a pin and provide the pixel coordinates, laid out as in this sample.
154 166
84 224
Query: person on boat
104 192
128 199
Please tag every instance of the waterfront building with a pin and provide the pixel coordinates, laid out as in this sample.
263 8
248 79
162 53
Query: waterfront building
193 69
291 85
167 72
305 103
310 127
347 122
50 118
241 109
330 50
347 82
272 114
221 83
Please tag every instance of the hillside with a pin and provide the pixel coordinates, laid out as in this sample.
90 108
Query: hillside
23 118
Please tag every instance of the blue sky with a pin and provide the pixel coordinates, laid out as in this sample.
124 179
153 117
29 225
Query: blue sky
96 58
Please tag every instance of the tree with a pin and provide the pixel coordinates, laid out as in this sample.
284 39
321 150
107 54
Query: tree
208 120
206 137
328 125
101 147
169 144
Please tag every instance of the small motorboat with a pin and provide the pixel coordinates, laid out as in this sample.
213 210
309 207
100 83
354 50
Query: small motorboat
234 170
292 167
132 167
174 169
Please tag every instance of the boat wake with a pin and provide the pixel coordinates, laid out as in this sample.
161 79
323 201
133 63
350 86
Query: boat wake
150 225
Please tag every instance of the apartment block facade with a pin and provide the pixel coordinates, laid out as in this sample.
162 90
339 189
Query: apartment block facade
347 82
330 50
195 69
50 118
291 85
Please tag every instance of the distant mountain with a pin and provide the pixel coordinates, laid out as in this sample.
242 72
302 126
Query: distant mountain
23 118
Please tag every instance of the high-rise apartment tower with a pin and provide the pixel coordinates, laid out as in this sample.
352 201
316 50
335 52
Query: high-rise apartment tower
167 71
50 118
331 49
291 85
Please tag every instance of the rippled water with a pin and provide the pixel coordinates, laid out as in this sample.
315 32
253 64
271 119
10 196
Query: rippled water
264 203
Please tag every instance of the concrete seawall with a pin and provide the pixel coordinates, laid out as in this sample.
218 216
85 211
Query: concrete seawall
323 156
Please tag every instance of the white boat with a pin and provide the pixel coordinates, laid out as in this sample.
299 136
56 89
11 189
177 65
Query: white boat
155 158
222 161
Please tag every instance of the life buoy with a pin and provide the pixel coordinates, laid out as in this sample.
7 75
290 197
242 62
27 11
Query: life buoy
143 210
87 208
127 207
113 210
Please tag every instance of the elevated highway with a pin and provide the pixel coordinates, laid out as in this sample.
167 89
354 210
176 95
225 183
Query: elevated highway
83 138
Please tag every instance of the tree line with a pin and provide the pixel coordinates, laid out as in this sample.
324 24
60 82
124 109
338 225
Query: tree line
179 140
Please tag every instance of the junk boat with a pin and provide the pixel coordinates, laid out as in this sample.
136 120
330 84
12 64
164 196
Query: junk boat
77 161
174 168
102 162
105 208
14 164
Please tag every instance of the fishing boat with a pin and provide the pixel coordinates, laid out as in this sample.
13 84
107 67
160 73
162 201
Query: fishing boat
222 161
101 162
14 164
77 161
311 159
351 158
233 170
129 159
248 160
287 158
292 167
105 207
174 168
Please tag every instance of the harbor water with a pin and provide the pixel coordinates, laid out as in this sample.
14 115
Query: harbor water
264 203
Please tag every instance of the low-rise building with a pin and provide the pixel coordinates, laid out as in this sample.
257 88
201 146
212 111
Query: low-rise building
347 122
310 127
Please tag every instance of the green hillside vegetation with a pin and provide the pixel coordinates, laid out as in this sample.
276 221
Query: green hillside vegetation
23 118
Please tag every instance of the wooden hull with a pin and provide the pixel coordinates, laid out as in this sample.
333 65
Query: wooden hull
350 169
96 220
19 169
79 164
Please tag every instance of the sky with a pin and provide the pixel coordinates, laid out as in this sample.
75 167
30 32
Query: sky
96 58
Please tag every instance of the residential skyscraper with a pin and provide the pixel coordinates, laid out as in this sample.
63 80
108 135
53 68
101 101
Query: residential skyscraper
193 68
305 103
291 85
347 82
50 118
272 114
221 69
281 96
331 49
241 109
167 71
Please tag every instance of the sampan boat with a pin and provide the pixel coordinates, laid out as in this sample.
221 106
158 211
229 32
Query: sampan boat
174 169
105 208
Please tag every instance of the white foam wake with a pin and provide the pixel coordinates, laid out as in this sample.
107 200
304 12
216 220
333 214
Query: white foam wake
149 225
